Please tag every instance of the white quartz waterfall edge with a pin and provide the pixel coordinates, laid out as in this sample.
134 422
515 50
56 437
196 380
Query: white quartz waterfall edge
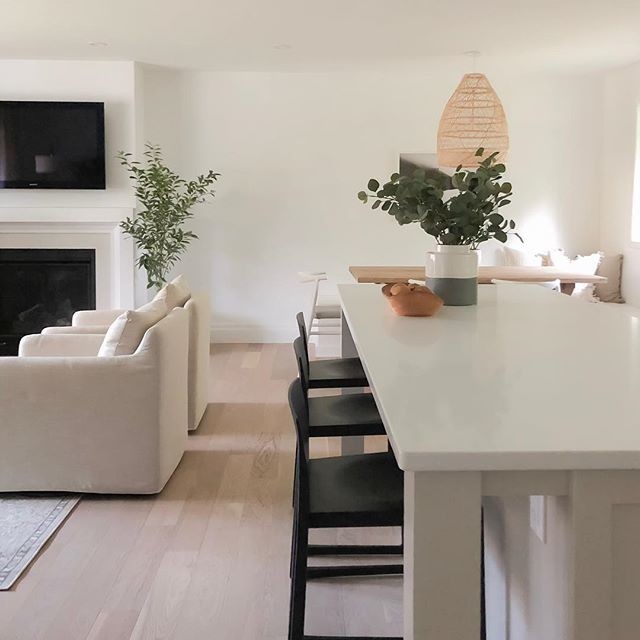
26 524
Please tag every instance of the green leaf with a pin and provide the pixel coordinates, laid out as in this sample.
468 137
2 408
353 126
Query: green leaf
449 238
479 152
386 205
376 204
501 236
458 181
373 185
362 196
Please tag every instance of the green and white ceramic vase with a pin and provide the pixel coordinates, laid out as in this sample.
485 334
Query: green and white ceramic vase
452 273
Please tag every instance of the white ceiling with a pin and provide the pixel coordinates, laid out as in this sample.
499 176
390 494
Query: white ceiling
299 34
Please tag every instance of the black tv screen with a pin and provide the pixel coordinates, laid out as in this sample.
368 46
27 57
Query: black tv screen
51 145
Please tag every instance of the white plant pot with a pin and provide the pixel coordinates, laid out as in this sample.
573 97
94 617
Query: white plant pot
452 273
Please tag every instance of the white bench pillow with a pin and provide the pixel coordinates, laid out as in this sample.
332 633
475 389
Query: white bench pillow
125 333
174 293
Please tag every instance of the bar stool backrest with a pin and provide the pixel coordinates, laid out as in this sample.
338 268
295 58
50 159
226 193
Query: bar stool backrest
300 415
302 330
303 363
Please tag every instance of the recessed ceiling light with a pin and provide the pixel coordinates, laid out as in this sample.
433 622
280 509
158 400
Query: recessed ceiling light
98 43
282 47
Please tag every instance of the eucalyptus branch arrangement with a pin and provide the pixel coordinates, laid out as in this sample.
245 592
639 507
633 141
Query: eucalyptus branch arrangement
166 202
469 217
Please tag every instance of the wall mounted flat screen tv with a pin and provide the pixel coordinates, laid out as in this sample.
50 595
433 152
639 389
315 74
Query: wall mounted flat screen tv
51 145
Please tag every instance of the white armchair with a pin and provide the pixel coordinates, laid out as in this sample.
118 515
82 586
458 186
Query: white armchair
97 322
72 421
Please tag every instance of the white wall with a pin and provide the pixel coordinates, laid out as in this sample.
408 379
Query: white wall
621 102
108 82
294 149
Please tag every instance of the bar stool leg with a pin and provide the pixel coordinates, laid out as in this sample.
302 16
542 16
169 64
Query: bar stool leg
295 514
295 478
298 582
483 595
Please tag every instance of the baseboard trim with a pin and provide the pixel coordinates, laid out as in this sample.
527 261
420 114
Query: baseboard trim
252 334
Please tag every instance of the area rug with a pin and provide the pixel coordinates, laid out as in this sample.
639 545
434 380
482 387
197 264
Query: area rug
26 523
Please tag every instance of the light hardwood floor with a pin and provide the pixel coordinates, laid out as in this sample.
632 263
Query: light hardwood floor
209 556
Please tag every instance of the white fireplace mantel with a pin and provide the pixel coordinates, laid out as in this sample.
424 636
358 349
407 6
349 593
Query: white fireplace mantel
78 228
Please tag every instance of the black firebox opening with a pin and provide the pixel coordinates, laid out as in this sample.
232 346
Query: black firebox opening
42 288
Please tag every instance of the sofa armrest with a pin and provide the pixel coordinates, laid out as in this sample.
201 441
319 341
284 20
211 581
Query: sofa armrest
71 330
199 347
94 317
90 423
77 389
60 345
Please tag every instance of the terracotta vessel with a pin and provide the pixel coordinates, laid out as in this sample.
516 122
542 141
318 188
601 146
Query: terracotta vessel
412 300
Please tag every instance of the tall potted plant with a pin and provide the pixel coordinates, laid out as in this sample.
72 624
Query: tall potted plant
166 203
460 223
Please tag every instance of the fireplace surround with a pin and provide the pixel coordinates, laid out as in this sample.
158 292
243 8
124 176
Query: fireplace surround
42 287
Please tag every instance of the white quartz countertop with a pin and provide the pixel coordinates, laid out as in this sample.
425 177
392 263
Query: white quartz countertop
528 379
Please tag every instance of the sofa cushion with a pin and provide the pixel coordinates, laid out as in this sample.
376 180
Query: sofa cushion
174 293
520 257
126 331
610 268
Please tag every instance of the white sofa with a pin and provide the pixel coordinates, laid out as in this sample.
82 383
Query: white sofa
97 322
72 421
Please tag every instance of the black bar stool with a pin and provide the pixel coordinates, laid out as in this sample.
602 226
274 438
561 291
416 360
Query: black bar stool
354 414
331 373
348 491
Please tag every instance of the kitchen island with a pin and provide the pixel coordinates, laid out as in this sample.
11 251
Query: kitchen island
529 393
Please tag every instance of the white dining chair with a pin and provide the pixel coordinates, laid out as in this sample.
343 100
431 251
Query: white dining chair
322 312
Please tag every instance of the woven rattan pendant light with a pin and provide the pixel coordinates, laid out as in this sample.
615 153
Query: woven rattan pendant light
472 118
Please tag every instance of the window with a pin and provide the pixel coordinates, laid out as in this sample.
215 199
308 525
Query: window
635 219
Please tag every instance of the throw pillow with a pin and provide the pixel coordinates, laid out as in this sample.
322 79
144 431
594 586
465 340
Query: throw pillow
125 333
174 293
520 258
610 268
586 265
184 291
